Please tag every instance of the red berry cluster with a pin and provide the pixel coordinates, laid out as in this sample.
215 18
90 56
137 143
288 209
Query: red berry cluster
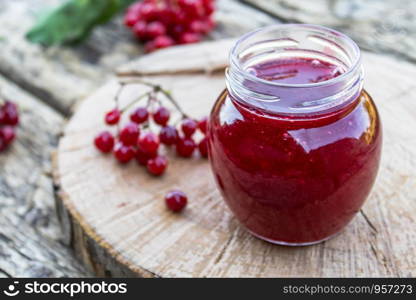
9 118
136 139
163 23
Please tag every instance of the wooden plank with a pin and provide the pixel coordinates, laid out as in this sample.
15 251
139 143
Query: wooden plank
120 210
62 75
30 236
379 26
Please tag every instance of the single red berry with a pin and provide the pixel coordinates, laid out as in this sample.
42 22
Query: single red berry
185 147
189 127
161 116
181 18
148 142
140 115
203 147
140 30
155 29
163 41
11 113
143 157
209 23
135 8
176 200
157 165
8 134
167 16
104 142
123 153
113 116
202 125
130 18
189 38
176 30
168 135
209 7
129 134
3 145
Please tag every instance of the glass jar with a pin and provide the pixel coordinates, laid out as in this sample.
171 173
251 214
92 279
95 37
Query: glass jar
295 141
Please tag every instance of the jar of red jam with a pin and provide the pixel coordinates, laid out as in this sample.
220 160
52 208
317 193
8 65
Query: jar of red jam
295 140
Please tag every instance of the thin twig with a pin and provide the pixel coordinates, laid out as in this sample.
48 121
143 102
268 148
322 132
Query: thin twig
116 100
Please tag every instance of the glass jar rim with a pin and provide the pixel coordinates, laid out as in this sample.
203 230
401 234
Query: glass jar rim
354 65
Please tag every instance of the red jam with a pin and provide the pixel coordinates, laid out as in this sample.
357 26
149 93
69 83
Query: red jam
288 179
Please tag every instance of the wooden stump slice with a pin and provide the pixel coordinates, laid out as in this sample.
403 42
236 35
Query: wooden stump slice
115 217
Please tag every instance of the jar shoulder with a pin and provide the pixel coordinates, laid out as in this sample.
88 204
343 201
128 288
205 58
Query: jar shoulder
361 122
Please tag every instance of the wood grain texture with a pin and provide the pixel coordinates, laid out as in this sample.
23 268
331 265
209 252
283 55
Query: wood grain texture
30 235
118 212
377 25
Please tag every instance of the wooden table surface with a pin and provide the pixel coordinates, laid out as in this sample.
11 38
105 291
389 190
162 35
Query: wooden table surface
47 83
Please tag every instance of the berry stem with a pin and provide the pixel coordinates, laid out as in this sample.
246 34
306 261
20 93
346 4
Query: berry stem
157 89
173 101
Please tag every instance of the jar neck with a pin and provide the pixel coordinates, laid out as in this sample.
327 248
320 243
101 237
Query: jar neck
295 41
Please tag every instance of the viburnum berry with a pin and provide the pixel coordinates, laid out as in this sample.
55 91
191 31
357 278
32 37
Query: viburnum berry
104 142
130 142
129 134
189 38
148 11
185 147
2 116
113 116
135 8
9 118
3 145
157 166
189 127
169 22
7 134
123 153
143 157
202 125
176 200
11 114
161 116
130 19
140 115
203 147
191 7
168 135
148 142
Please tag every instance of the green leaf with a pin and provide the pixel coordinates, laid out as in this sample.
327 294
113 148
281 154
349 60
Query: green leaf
72 21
